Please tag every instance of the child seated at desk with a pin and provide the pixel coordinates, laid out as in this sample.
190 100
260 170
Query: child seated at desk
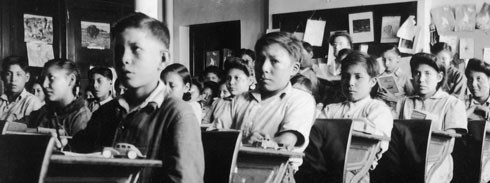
16 104
478 102
63 110
100 83
358 76
147 116
446 111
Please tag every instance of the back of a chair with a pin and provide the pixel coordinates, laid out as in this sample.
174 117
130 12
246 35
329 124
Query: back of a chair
405 159
24 158
467 153
220 154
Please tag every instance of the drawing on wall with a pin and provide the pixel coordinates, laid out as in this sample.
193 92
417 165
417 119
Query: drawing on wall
314 32
361 27
389 28
443 18
95 35
466 48
465 17
212 58
483 17
38 28
39 53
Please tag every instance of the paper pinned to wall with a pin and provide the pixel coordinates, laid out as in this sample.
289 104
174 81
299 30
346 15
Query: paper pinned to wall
465 17
408 29
486 55
314 32
443 17
466 48
364 48
39 53
389 28
38 28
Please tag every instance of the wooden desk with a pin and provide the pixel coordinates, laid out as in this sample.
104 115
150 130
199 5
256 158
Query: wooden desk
64 168
256 165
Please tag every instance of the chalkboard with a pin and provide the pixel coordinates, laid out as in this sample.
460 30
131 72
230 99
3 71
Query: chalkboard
338 19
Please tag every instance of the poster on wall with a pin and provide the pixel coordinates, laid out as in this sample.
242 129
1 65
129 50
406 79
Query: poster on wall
95 35
39 53
483 17
212 58
389 28
466 48
443 18
361 27
314 32
465 17
38 28
408 28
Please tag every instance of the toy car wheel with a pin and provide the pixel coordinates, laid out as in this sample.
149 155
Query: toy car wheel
132 155
107 154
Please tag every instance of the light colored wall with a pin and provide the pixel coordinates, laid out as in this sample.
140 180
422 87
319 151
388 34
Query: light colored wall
251 13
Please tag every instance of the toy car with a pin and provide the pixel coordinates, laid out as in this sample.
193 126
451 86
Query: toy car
122 150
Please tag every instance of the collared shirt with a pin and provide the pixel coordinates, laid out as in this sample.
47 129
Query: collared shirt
311 75
219 113
21 107
196 107
472 103
455 83
375 111
447 111
290 110
94 104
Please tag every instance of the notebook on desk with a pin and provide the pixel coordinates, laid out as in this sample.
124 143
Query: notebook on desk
9 127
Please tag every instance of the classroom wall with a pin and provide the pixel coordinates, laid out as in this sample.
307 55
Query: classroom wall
251 13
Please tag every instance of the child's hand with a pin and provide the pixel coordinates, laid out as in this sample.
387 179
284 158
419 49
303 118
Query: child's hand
386 95
257 137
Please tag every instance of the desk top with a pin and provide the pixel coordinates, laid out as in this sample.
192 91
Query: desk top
269 152
446 134
370 136
64 159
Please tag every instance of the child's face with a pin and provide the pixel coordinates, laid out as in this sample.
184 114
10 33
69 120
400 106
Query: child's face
274 67
391 60
237 82
176 84
479 84
15 79
58 84
445 57
223 91
425 79
139 58
211 76
207 95
340 43
101 86
38 91
356 82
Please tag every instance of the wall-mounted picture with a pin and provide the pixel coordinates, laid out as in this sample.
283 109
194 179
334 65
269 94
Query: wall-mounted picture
443 17
465 17
361 27
96 35
38 28
212 58
389 28
39 53
483 17
406 46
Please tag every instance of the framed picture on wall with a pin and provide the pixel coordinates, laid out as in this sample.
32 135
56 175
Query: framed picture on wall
361 27
212 58
95 35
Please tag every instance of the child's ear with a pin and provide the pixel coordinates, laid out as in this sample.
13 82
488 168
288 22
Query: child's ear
296 68
372 81
188 87
73 80
28 76
440 76
165 58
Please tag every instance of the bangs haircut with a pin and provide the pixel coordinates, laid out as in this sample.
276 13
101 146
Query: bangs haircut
477 65
430 60
359 58
392 48
64 64
142 21
283 39
15 60
237 63
332 38
104 71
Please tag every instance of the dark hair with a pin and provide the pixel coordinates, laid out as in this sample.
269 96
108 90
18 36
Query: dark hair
179 69
307 46
65 64
344 52
15 60
392 48
213 86
237 63
430 60
303 81
477 65
197 83
285 40
357 57
104 71
215 70
440 46
139 20
248 52
340 34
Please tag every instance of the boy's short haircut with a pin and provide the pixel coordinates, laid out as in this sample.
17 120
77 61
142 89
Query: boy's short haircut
392 48
430 60
215 70
477 65
65 64
285 40
15 60
139 20
237 63
307 46
303 80
104 71
213 86
332 38
344 52
440 46
357 57
248 52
